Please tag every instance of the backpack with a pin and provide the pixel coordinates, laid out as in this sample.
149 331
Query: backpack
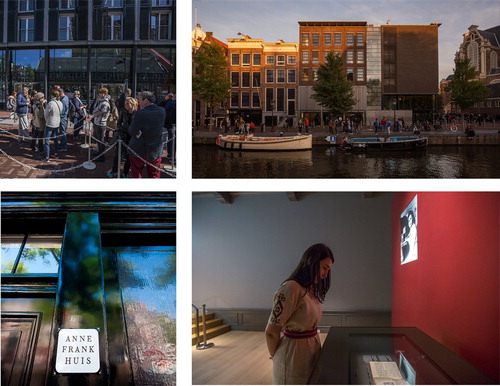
113 115
71 109
10 106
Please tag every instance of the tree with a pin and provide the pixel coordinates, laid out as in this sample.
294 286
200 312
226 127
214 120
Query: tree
210 79
464 89
333 91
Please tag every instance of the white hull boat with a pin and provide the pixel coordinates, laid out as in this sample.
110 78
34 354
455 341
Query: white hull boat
250 142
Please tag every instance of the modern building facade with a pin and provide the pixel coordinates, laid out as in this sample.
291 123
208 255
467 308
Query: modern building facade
97 265
393 68
87 44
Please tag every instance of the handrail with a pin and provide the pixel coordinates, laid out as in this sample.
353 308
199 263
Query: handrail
204 345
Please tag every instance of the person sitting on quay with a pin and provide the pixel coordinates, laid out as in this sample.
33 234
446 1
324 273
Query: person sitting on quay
146 137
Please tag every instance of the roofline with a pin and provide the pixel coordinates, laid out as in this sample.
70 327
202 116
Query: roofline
333 23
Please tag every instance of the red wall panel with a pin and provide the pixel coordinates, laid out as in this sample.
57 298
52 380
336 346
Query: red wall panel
452 291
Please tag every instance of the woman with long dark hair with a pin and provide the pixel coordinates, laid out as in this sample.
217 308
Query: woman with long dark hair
297 311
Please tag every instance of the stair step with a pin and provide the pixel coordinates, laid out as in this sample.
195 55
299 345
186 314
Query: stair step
213 332
209 315
210 324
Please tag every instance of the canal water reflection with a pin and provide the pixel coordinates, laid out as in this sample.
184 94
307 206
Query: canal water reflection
331 162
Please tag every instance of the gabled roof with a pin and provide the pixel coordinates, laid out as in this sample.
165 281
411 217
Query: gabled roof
492 35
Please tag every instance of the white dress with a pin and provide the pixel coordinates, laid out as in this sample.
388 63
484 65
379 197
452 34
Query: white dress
295 310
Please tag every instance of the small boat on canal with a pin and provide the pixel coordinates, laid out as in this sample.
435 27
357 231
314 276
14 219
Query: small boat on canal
383 143
250 142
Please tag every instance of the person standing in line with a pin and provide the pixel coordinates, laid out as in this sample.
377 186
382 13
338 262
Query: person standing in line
99 118
124 122
297 311
120 103
376 125
38 122
22 106
146 136
170 119
63 140
52 123
80 115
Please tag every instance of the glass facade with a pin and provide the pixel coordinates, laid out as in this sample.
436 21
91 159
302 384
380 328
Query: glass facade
374 68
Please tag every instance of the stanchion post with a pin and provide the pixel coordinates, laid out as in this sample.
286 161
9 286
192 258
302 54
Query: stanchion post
119 160
89 165
205 345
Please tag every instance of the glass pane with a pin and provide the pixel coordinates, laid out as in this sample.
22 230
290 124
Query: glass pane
41 254
10 249
147 280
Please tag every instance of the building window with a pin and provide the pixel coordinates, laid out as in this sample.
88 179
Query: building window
245 99
235 59
256 59
305 56
35 254
26 5
280 76
328 39
235 79
291 76
360 57
338 39
315 39
270 59
305 74
493 60
305 39
256 79
350 74
315 74
280 99
473 54
112 3
113 26
234 99
360 72
159 26
245 79
292 59
315 57
291 93
255 99
269 76
160 3
350 39
26 29
280 60
349 57
269 99
66 4
245 60
325 54
66 28
360 39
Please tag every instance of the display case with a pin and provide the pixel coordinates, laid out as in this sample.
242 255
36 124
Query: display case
347 352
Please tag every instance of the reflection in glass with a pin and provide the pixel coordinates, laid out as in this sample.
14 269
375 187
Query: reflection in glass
41 254
11 244
147 280
28 68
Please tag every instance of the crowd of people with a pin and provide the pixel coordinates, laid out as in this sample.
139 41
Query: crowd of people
144 126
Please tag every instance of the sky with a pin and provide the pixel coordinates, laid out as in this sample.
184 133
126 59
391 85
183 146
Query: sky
278 19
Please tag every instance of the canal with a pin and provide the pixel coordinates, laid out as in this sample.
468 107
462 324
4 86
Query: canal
331 162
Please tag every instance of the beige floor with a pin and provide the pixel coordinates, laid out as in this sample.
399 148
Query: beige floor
238 358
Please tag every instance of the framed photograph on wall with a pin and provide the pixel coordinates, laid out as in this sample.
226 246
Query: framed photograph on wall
409 231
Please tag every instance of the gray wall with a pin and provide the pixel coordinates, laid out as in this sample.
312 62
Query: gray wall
244 250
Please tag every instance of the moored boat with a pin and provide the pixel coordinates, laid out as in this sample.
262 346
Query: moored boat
250 142
384 143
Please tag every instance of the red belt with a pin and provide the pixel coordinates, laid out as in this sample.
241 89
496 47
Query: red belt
300 334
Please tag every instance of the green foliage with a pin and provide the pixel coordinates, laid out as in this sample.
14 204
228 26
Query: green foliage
465 90
333 91
210 79
168 326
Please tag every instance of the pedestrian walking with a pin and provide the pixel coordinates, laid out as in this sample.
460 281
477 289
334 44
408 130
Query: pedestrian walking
52 123
146 137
